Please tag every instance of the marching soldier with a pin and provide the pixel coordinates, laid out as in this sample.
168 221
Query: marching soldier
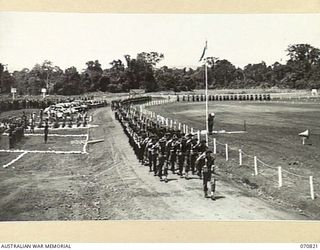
145 150
180 162
189 154
172 147
193 155
149 154
200 148
154 153
142 145
189 147
206 162
162 168
183 149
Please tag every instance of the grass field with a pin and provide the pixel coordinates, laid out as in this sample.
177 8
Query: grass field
272 136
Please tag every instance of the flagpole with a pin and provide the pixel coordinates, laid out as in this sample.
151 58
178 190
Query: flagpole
206 82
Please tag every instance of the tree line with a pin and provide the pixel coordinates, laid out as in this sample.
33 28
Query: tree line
301 71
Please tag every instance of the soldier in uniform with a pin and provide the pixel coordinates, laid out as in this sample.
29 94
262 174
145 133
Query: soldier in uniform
193 155
154 153
142 145
181 159
172 147
162 168
46 131
189 153
11 140
181 151
206 162
149 153
210 123
200 148
24 119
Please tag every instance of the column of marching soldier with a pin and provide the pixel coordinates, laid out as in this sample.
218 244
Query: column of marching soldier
166 150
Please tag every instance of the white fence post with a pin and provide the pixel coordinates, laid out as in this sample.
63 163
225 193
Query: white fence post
240 157
179 126
187 128
191 131
198 135
214 145
311 187
227 153
280 176
171 123
255 166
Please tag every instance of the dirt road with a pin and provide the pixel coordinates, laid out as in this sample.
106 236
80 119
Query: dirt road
109 183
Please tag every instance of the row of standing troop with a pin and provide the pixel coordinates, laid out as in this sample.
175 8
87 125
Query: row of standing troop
166 150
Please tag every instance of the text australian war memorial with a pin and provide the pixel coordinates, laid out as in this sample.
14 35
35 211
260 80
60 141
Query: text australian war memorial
139 141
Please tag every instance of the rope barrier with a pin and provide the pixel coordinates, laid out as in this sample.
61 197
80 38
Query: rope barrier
222 144
297 175
250 156
234 149
267 165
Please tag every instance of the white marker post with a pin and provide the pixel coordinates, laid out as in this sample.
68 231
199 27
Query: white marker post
13 91
191 131
214 145
187 129
207 139
179 126
280 176
198 135
255 165
311 187
240 157
43 91
227 153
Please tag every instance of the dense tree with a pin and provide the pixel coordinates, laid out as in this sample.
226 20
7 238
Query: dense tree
302 70
6 80
223 73
22 81
92 75
69 83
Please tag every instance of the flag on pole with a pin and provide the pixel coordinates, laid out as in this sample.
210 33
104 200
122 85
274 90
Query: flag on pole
204 51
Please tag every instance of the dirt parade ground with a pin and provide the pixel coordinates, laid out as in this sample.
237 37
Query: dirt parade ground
109 183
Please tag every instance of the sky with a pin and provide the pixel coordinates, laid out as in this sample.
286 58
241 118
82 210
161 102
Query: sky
72 39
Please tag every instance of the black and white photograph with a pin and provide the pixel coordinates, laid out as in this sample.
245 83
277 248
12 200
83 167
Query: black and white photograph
206 117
